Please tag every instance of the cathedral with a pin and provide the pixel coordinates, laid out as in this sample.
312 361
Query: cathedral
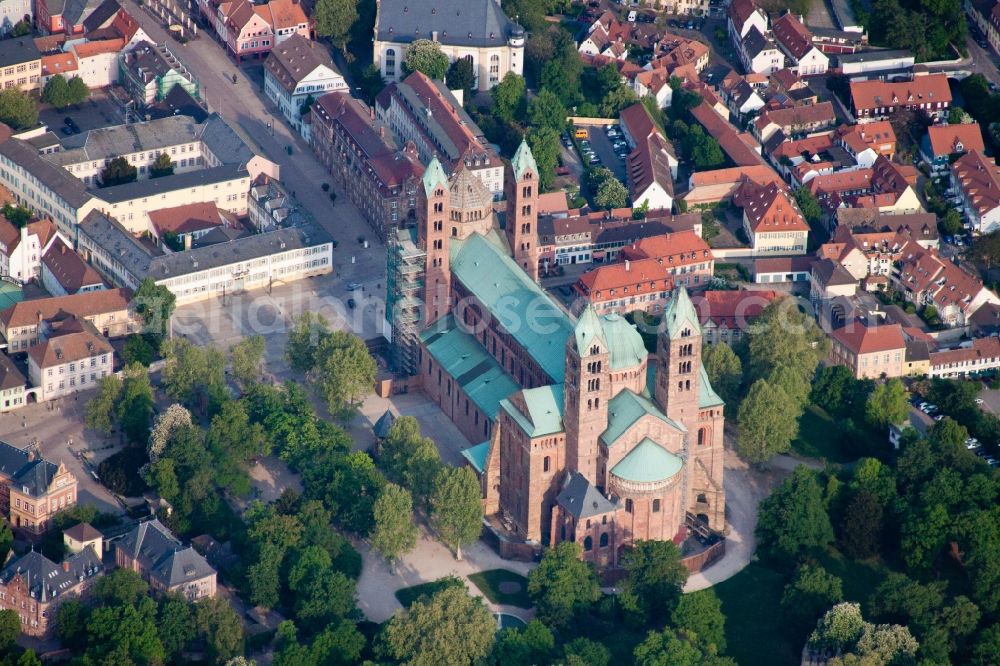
585 436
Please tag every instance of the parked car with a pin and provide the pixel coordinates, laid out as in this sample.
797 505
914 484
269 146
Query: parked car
980 401
354 286
351 303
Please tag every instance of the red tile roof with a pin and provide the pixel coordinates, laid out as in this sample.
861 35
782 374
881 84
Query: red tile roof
769 208
676 249
982 348
979 179
186 219
68 348
929 89
27 313
731 309
625 274
69 269
859 338
796 116
793 35
760 173
59 63
948 139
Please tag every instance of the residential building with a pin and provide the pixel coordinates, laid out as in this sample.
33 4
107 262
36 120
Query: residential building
64 272
925 278
830 281
149 72
866 142
33 586
82 536
710 187
768 270
726 315
795 121
869 351
742 94
796 41
12 385
20 63
12 13
627 286
479 31
744 15
979 356
379 177
942 142
58 64
153 552
61 16
976 179
771 218
759 54
72 357
426 113
687 257
652 164
985 14
21 249
178 227
24 324
33 490
876 100
740 147
296 71
97 61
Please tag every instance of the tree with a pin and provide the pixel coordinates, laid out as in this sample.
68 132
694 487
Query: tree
345 371
838 629
809 206
308 330
767 425
191 372
448 628
56 92
394 534
885 644
783 335
887 404
21 29
809 594
674 648
547 110
10 628
544 144
176 623
987 646
426 57
724 369
78 91
117 172
19 216
860 531
219 626
263 576
950 223
795 386
793 519
956 115
563 585
120 587
585 652
611 194
155 305
457 508
410 459
655 578
832 389
247 355
508 97
167 423
17 109
135 404
333 19
101 411
462 76
137 350
533 644
705 151
700 613
161 166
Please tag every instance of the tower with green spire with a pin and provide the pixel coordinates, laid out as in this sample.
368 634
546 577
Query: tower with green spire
586 392
433 209
522 209
678 359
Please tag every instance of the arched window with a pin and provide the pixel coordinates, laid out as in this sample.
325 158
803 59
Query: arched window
628 506
656 506
702 437
588 544
545 464
604 540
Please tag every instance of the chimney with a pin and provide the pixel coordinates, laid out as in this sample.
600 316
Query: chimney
65 565
628 264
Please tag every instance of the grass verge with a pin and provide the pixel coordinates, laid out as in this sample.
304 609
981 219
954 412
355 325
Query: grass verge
489 582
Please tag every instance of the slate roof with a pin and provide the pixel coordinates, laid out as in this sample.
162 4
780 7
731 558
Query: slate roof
61 182
647 462
582 500
829 273
457 22
516 301
296 58
47 580
163 556
33 476
18 50
101 16
10 376
151 187
82 532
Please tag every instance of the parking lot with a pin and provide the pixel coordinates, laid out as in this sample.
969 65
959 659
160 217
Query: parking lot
100 110
604 150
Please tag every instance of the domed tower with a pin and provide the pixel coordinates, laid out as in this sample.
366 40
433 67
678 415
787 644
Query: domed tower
678 359
586 392
471 205
516 41
433 210
522 210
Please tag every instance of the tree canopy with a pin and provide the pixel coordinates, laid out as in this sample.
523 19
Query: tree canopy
426 57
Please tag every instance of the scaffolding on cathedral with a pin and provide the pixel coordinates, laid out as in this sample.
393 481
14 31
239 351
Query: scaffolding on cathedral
405 281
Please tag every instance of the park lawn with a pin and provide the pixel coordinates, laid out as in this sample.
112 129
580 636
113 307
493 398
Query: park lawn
755 633
408 595
819 437
489 581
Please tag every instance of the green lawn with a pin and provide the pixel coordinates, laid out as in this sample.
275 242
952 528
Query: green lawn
754 631
819 437
488 583
408 595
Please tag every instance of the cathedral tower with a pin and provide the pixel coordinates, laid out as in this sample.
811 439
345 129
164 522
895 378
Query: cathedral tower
433 210
587 390
522 210
678 360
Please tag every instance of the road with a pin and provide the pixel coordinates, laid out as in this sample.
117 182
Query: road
244 105
984 61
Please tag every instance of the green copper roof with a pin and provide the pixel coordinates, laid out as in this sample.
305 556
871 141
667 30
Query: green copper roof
523 161
475 371
680 314
707 397
476 455
515 301
625 409
647 462
627 348
588 328
545 410
434 176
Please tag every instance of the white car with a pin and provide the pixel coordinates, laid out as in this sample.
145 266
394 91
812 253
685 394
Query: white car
980 401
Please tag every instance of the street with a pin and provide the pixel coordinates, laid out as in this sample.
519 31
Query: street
244 105
984 61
